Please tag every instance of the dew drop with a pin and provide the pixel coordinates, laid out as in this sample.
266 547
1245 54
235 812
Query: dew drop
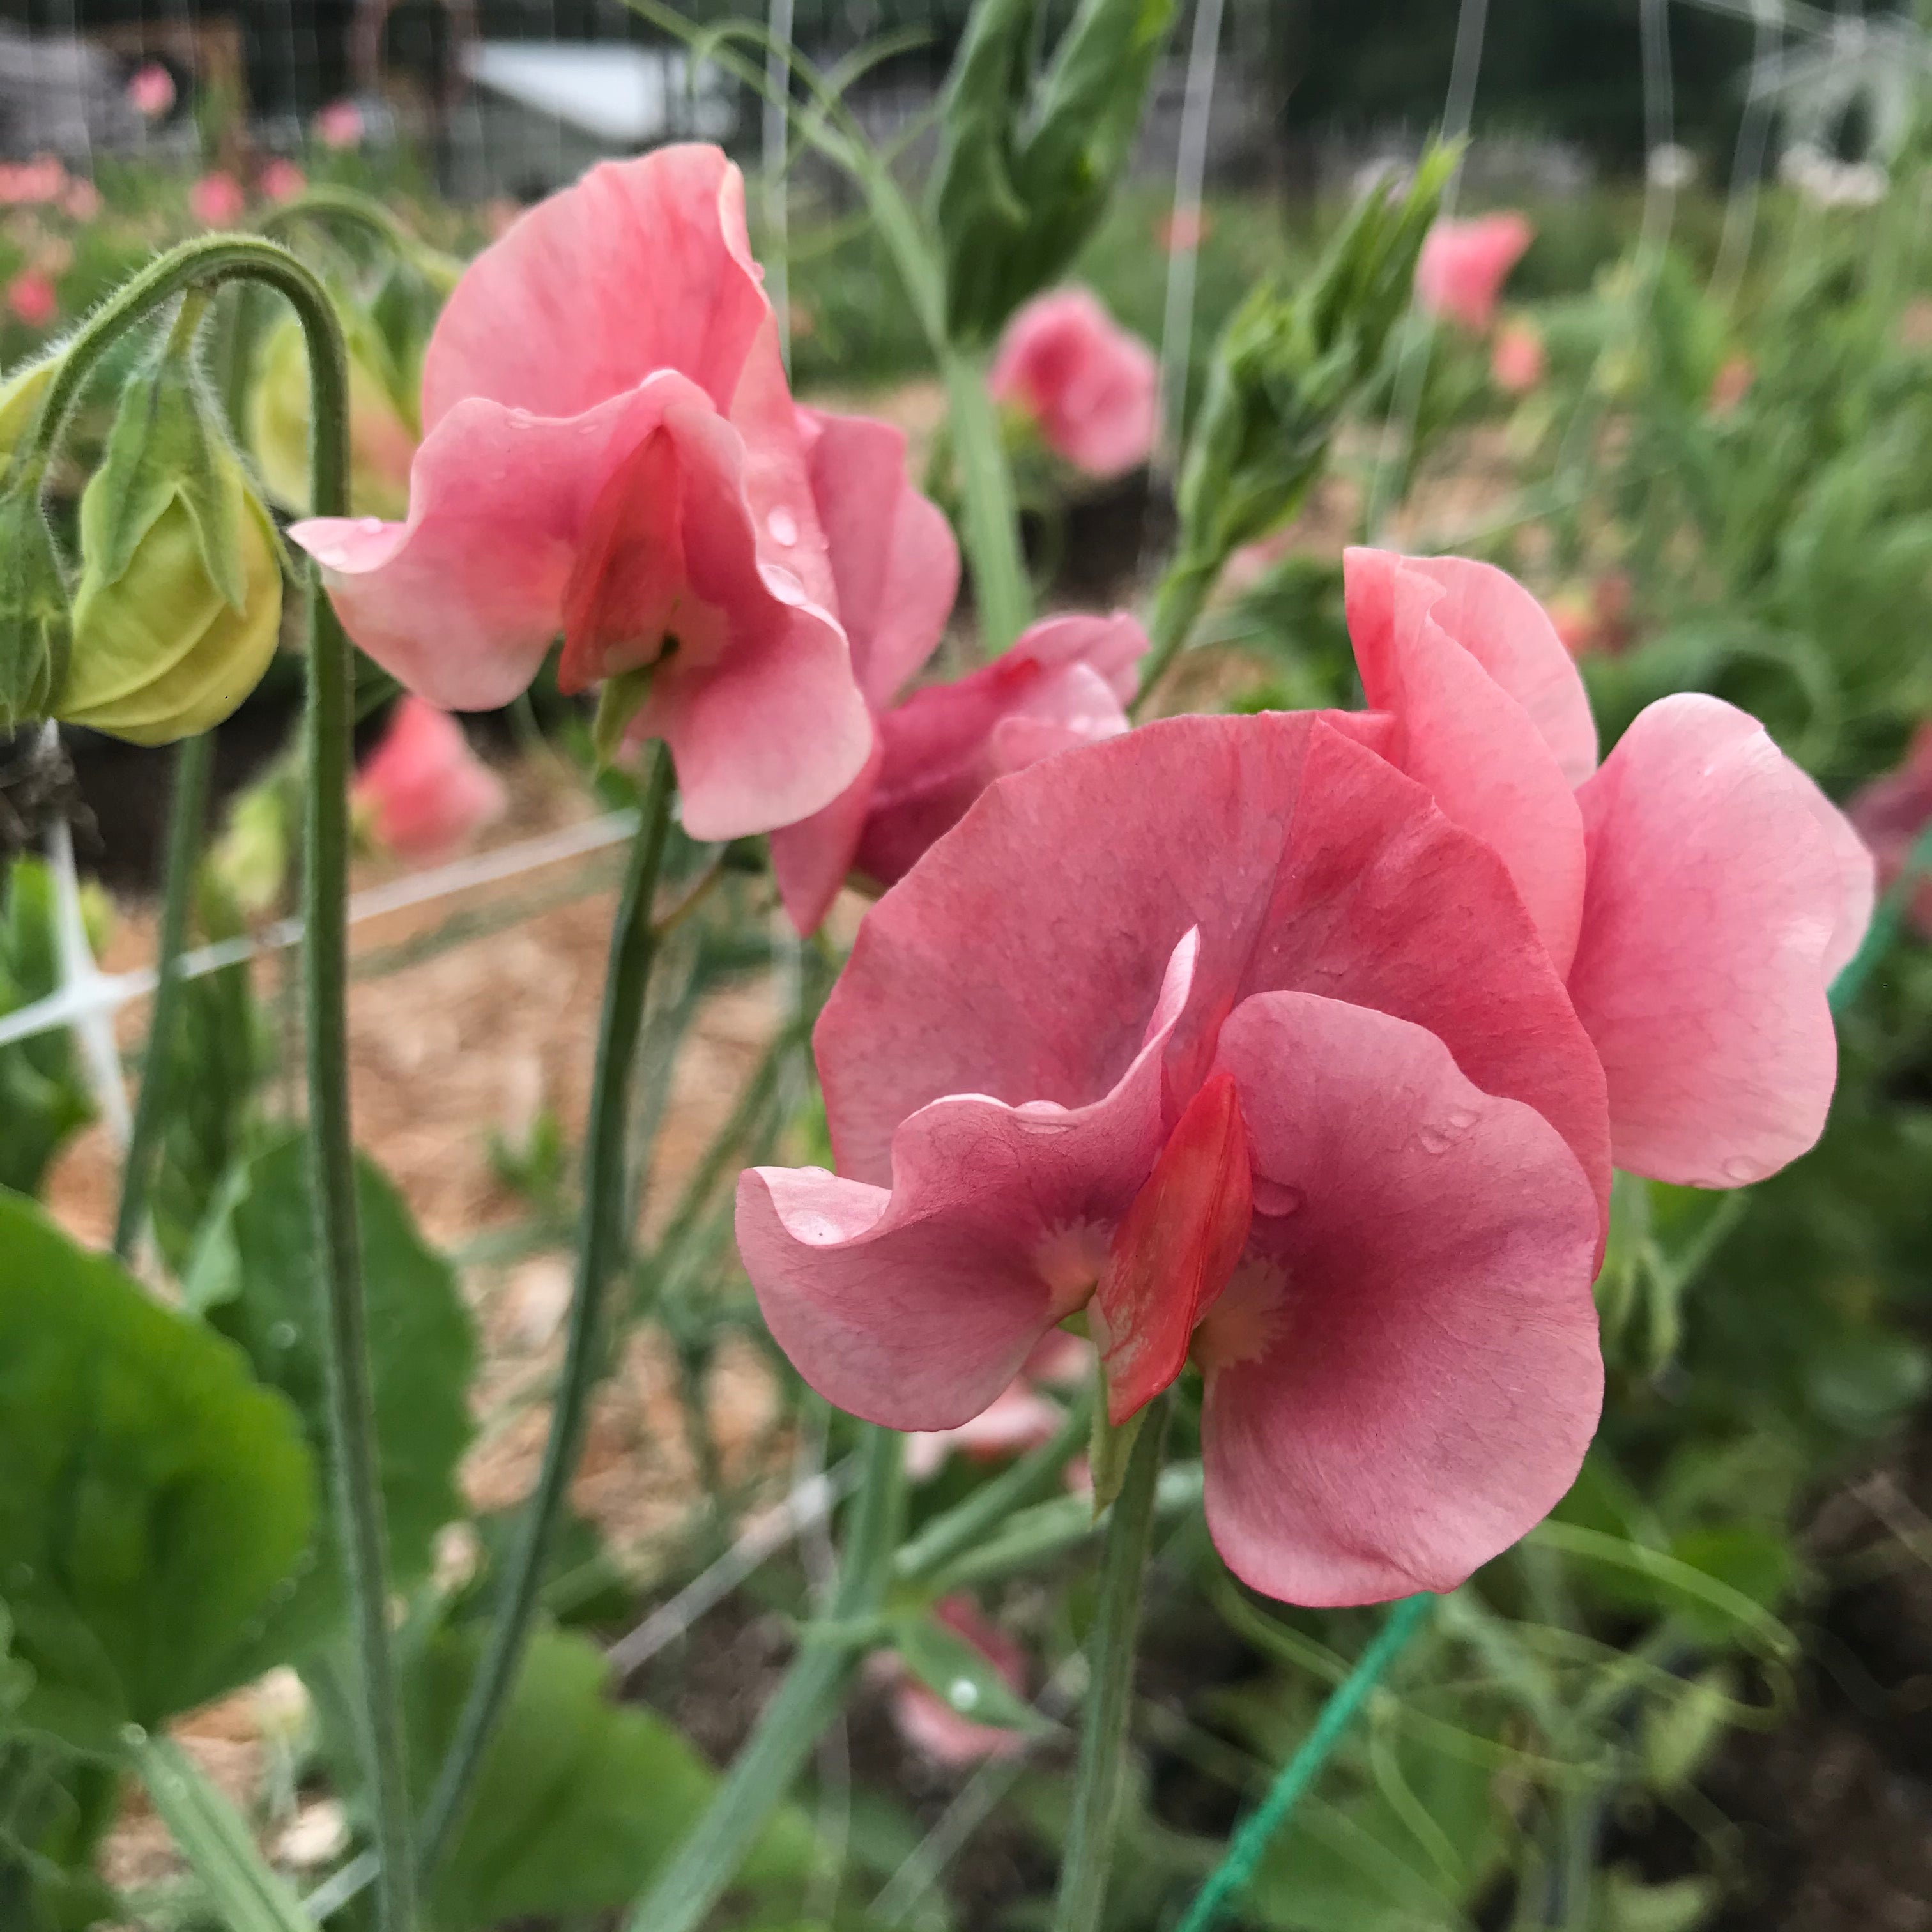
284 1335
371 526
133 1736
963 1694
1431 1139
783 525
1737 1171
1277 1197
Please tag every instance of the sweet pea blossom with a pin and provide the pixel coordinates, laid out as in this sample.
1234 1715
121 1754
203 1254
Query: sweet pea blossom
1697 890
340 125
218 200
1090 388
281 180
82 202
33 299
1516 359
32 184
1022 1416
1892 812
423 791
1221 1031
609 450
895 568
151 91
930 1725
1464 264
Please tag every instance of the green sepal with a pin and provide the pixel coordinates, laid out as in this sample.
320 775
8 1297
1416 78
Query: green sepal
36 616
1109 1446
620 699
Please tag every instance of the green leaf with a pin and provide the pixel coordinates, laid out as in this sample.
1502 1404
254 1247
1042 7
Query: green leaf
964 1678
579 1800
43 1098
253 1277
156 1498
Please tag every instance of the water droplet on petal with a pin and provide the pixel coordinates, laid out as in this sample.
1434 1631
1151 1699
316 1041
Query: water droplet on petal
134 1735
1431 1139
371 526
963 1694
284 1335
1737 1171
783 525
1277 1197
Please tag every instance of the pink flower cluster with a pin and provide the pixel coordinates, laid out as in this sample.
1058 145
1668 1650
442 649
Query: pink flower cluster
1299 1045
1089 388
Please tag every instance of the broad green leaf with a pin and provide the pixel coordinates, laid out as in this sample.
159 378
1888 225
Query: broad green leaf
964 1679
254 1276
157 1497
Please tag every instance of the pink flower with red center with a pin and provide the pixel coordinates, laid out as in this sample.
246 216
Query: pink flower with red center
340 125
609 450
32 298
282 181
1220 1030
930 1725
1463 265
218 200
151 91
1891 813
895 568
1697 892
1516 359
1090 388
423 791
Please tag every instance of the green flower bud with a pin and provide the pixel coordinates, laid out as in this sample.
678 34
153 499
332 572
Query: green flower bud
1027 163
180 601
20 396
381 442
1289 365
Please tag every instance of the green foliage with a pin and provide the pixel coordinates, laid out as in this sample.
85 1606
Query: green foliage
43 1095
36 621
253 1278
157 1499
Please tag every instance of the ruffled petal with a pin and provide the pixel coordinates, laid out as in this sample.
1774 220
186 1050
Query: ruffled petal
1403 1376
1714 902
1857 875
914 1307
1463 735
811 859
1012 959
895 562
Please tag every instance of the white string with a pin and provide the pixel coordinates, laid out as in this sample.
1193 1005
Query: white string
1190 168
104 994
776 132
1748 163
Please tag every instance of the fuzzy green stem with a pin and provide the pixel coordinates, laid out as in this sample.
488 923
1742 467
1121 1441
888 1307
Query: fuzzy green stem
188 813
806 1702
1177 605
1088 1854
325 203
602 1237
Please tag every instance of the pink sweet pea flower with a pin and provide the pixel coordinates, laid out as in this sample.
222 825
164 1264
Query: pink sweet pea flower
1516 359
32 184
340 125
1892 812
218 200
1092 388
609 450
33 299
81 202
1021 1416
1698 892
151 91
1219 1030
896 569
929 1724
282 181
423 791
1463 265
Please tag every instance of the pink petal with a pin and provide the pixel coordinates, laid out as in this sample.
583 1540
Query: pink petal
894 560
1092 388
811 857
1891 812
914 1307
1014 960
1462 733
1172 1254
1714 901
426 790
930 1725
1463 265
1857 875
1403 1376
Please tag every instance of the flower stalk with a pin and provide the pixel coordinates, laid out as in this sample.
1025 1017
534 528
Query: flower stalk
1098 1779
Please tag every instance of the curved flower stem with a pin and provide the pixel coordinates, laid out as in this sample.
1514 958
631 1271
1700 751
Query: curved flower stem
1177 605
807 1701
187 812
200 265
1088 1853
327 203
602 1235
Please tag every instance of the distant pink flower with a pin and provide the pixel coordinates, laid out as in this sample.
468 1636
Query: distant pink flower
151 91
1464 264
33 299
1090 387
1732 384
930 1725
218 200
1181 229
1220 1030
1892 812
1021 1416
1517 358
609 450
32 184
424 789
81 202
281 181
340 125
1697 891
